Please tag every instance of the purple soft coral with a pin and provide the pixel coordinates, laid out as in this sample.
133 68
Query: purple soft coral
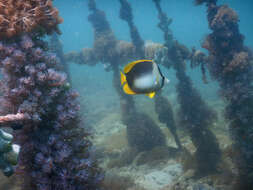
53 146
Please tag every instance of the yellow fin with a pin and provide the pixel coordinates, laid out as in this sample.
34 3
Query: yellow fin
129 66
122 78
127 89
151 95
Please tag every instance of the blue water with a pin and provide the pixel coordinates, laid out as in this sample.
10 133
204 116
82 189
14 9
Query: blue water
189 22
189 27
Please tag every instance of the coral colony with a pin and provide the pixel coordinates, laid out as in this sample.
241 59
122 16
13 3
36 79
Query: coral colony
57 48
55 151
230 63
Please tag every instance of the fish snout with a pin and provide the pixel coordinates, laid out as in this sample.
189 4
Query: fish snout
167 81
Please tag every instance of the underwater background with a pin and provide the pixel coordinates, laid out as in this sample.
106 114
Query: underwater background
188 26
130 159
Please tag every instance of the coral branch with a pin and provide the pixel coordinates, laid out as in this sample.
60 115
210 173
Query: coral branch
56 47
18 17
13 117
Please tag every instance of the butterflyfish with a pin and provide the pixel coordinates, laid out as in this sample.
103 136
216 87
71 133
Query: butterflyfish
142 77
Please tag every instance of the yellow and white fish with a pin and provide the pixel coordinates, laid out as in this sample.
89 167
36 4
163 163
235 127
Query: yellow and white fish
142 77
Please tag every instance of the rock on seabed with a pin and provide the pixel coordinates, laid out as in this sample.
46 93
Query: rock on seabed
157 179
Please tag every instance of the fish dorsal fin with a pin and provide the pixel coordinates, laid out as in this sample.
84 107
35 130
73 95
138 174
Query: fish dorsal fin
128 90
129 66
122 78
151 94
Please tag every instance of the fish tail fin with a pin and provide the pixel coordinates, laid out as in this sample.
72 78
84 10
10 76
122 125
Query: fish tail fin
151 95
122 78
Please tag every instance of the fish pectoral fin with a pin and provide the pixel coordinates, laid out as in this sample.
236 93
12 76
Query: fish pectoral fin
151 95
127 89
122 78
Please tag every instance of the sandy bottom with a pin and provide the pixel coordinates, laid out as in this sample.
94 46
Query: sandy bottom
158 169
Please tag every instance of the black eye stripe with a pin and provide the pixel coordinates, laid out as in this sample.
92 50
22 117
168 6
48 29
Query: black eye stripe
160 71
140 68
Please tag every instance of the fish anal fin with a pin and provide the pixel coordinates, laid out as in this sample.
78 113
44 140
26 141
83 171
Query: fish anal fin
127 89
129 66
151 94
122 78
